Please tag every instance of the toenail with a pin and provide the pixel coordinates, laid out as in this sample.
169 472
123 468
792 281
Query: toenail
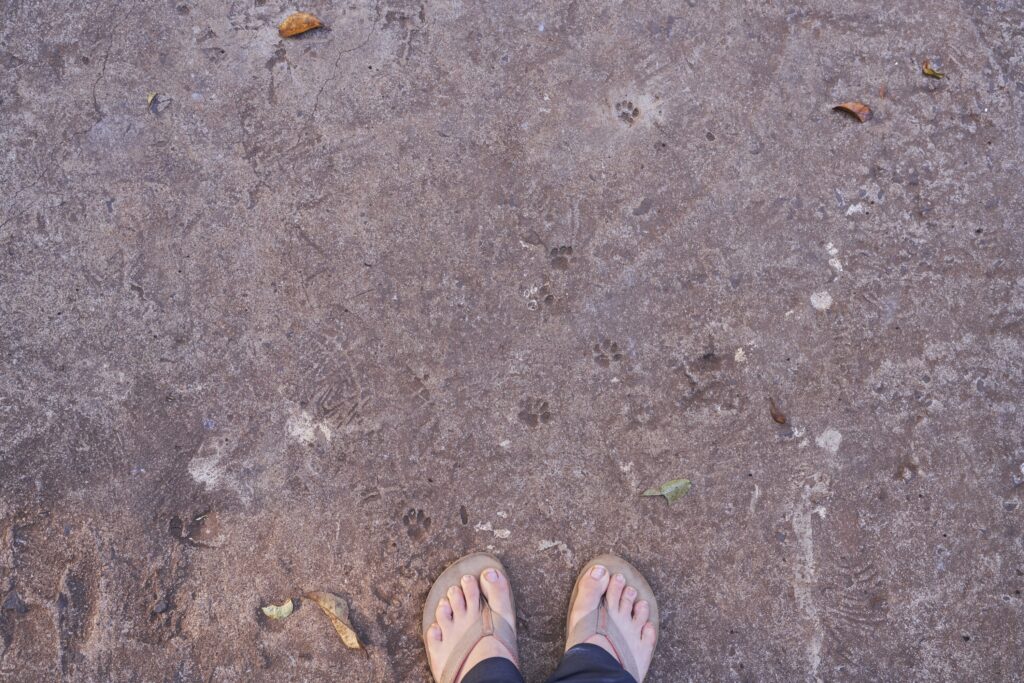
491 576
598 572
619 578
467 577
631 592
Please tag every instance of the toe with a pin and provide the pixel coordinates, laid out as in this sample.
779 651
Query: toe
627 600
471 590
592 586
649 634
443 613
641 611
434 633
616 587
458 600
496 589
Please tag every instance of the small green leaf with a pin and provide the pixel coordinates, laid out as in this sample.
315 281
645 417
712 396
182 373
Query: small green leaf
671 490
279 611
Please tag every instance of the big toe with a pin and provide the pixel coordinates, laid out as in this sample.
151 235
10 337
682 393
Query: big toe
495 587
592 587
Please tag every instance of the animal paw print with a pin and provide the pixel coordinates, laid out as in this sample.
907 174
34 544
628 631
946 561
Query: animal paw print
535 412
539 295
606 352
627 112
417 524
560 257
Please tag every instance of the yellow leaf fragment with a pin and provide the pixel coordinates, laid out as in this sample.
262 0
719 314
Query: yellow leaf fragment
279 611
150 96
297 23
671 490
336 610
927 70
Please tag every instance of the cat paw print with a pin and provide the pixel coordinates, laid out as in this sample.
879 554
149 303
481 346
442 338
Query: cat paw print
606 352
560 257
417 524
627 112
535 412
539 296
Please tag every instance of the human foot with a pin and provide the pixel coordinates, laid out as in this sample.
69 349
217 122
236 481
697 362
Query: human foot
624 627
458 621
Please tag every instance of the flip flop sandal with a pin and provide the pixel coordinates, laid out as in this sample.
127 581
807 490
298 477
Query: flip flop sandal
490 623
598 623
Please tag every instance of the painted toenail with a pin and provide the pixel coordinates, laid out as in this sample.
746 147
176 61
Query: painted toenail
491 576
598 572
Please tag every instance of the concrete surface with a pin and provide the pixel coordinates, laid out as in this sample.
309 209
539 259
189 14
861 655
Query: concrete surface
452 275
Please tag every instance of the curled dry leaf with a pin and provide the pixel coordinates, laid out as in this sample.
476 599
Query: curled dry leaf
927 70
279 611
336 610
671 490
861 111
776 414
297 23
150 96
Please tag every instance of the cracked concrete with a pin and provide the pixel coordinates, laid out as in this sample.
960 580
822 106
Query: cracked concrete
443 276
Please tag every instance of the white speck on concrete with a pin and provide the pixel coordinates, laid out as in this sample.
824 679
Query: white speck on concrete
740 356
498 533
834 262
829 440
855 209
563 549
205 466
631 476
822 301
303 428
505 444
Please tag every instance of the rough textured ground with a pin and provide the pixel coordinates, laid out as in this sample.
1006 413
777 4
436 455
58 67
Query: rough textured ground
424 283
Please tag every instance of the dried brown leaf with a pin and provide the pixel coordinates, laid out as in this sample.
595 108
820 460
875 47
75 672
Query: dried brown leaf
927 70
336 610
297 23
776 414
861 111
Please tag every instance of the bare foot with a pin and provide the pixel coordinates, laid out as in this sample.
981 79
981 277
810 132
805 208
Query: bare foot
457 612
628 615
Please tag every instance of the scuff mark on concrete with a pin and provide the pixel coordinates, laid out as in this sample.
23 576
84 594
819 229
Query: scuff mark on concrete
805 569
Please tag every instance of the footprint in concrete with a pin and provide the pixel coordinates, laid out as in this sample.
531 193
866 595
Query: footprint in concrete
606 352
560 257
535 412
627 112
417 524
539 296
